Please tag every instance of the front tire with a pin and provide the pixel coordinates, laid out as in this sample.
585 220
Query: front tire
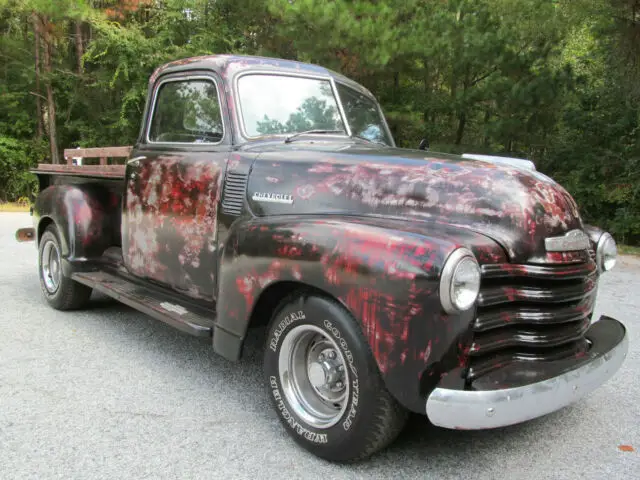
324 383
59 290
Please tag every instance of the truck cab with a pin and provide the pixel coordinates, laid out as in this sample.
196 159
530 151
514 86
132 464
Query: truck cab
271 192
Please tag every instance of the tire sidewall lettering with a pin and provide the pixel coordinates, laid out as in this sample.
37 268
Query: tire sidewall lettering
366 424
290 419
352 411
283 326
347 422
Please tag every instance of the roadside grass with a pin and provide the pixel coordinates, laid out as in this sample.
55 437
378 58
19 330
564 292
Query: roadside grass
14 207
628 250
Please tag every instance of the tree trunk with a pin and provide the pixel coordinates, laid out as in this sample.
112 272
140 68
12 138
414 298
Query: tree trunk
427 98
487 116
36 35
462 110
451 114
51 106
396 85
79 46
462 120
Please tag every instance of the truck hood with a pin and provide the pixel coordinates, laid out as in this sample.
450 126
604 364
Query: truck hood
516 207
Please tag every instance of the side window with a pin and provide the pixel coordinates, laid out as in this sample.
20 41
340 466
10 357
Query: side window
363 115
187 111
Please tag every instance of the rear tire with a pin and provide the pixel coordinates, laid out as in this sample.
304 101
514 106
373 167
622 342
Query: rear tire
59 290
324 383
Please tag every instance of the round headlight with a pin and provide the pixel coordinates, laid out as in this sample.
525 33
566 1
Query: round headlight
460 281
606 252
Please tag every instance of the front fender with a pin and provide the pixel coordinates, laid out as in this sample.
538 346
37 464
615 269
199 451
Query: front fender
385 272
86 215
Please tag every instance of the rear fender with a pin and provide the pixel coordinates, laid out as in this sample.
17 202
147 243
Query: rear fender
87 217
385 273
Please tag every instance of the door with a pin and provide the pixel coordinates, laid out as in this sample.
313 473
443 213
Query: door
173 188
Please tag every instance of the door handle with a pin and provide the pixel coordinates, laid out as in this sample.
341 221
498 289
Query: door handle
135 163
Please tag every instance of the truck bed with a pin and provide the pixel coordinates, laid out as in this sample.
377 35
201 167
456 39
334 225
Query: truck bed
103 170
92 171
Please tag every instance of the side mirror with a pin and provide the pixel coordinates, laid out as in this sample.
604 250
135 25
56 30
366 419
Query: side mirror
424 144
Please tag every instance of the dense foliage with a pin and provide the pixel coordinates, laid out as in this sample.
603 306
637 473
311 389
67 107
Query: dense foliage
554 81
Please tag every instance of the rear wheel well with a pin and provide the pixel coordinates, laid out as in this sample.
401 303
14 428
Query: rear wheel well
42 226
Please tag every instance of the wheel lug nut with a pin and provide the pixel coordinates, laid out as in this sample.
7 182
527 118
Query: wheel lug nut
339 385
332 354
341 368
321 357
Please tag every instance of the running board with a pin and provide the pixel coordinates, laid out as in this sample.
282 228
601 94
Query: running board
148 301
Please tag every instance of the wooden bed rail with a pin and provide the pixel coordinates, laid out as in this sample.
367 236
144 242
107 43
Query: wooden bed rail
101 153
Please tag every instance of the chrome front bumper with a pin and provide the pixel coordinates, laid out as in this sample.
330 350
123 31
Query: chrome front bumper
475 410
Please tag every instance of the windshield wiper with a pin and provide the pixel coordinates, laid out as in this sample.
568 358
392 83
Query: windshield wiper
291 137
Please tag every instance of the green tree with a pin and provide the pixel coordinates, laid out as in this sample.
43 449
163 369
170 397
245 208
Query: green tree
556 81
313 114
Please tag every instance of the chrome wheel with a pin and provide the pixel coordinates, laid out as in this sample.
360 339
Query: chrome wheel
313 374
50 266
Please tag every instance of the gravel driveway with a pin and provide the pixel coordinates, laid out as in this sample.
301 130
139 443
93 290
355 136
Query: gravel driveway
110 393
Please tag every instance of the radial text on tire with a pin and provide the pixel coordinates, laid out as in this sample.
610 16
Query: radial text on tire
324 383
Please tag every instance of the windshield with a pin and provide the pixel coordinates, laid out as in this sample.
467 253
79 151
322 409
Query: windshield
280 104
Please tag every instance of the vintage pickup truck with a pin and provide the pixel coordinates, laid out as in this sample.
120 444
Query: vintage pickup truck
270 192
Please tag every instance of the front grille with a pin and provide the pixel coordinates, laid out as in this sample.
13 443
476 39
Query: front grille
531 313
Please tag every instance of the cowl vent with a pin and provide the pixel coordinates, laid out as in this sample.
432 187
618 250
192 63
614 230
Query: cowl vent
233 197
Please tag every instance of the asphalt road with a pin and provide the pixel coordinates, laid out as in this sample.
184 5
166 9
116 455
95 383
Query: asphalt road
110 393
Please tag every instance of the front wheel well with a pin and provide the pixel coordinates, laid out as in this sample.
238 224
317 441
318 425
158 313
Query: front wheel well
271 297
261 314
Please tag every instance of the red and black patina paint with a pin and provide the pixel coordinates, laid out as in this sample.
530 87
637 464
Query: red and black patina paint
371 226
